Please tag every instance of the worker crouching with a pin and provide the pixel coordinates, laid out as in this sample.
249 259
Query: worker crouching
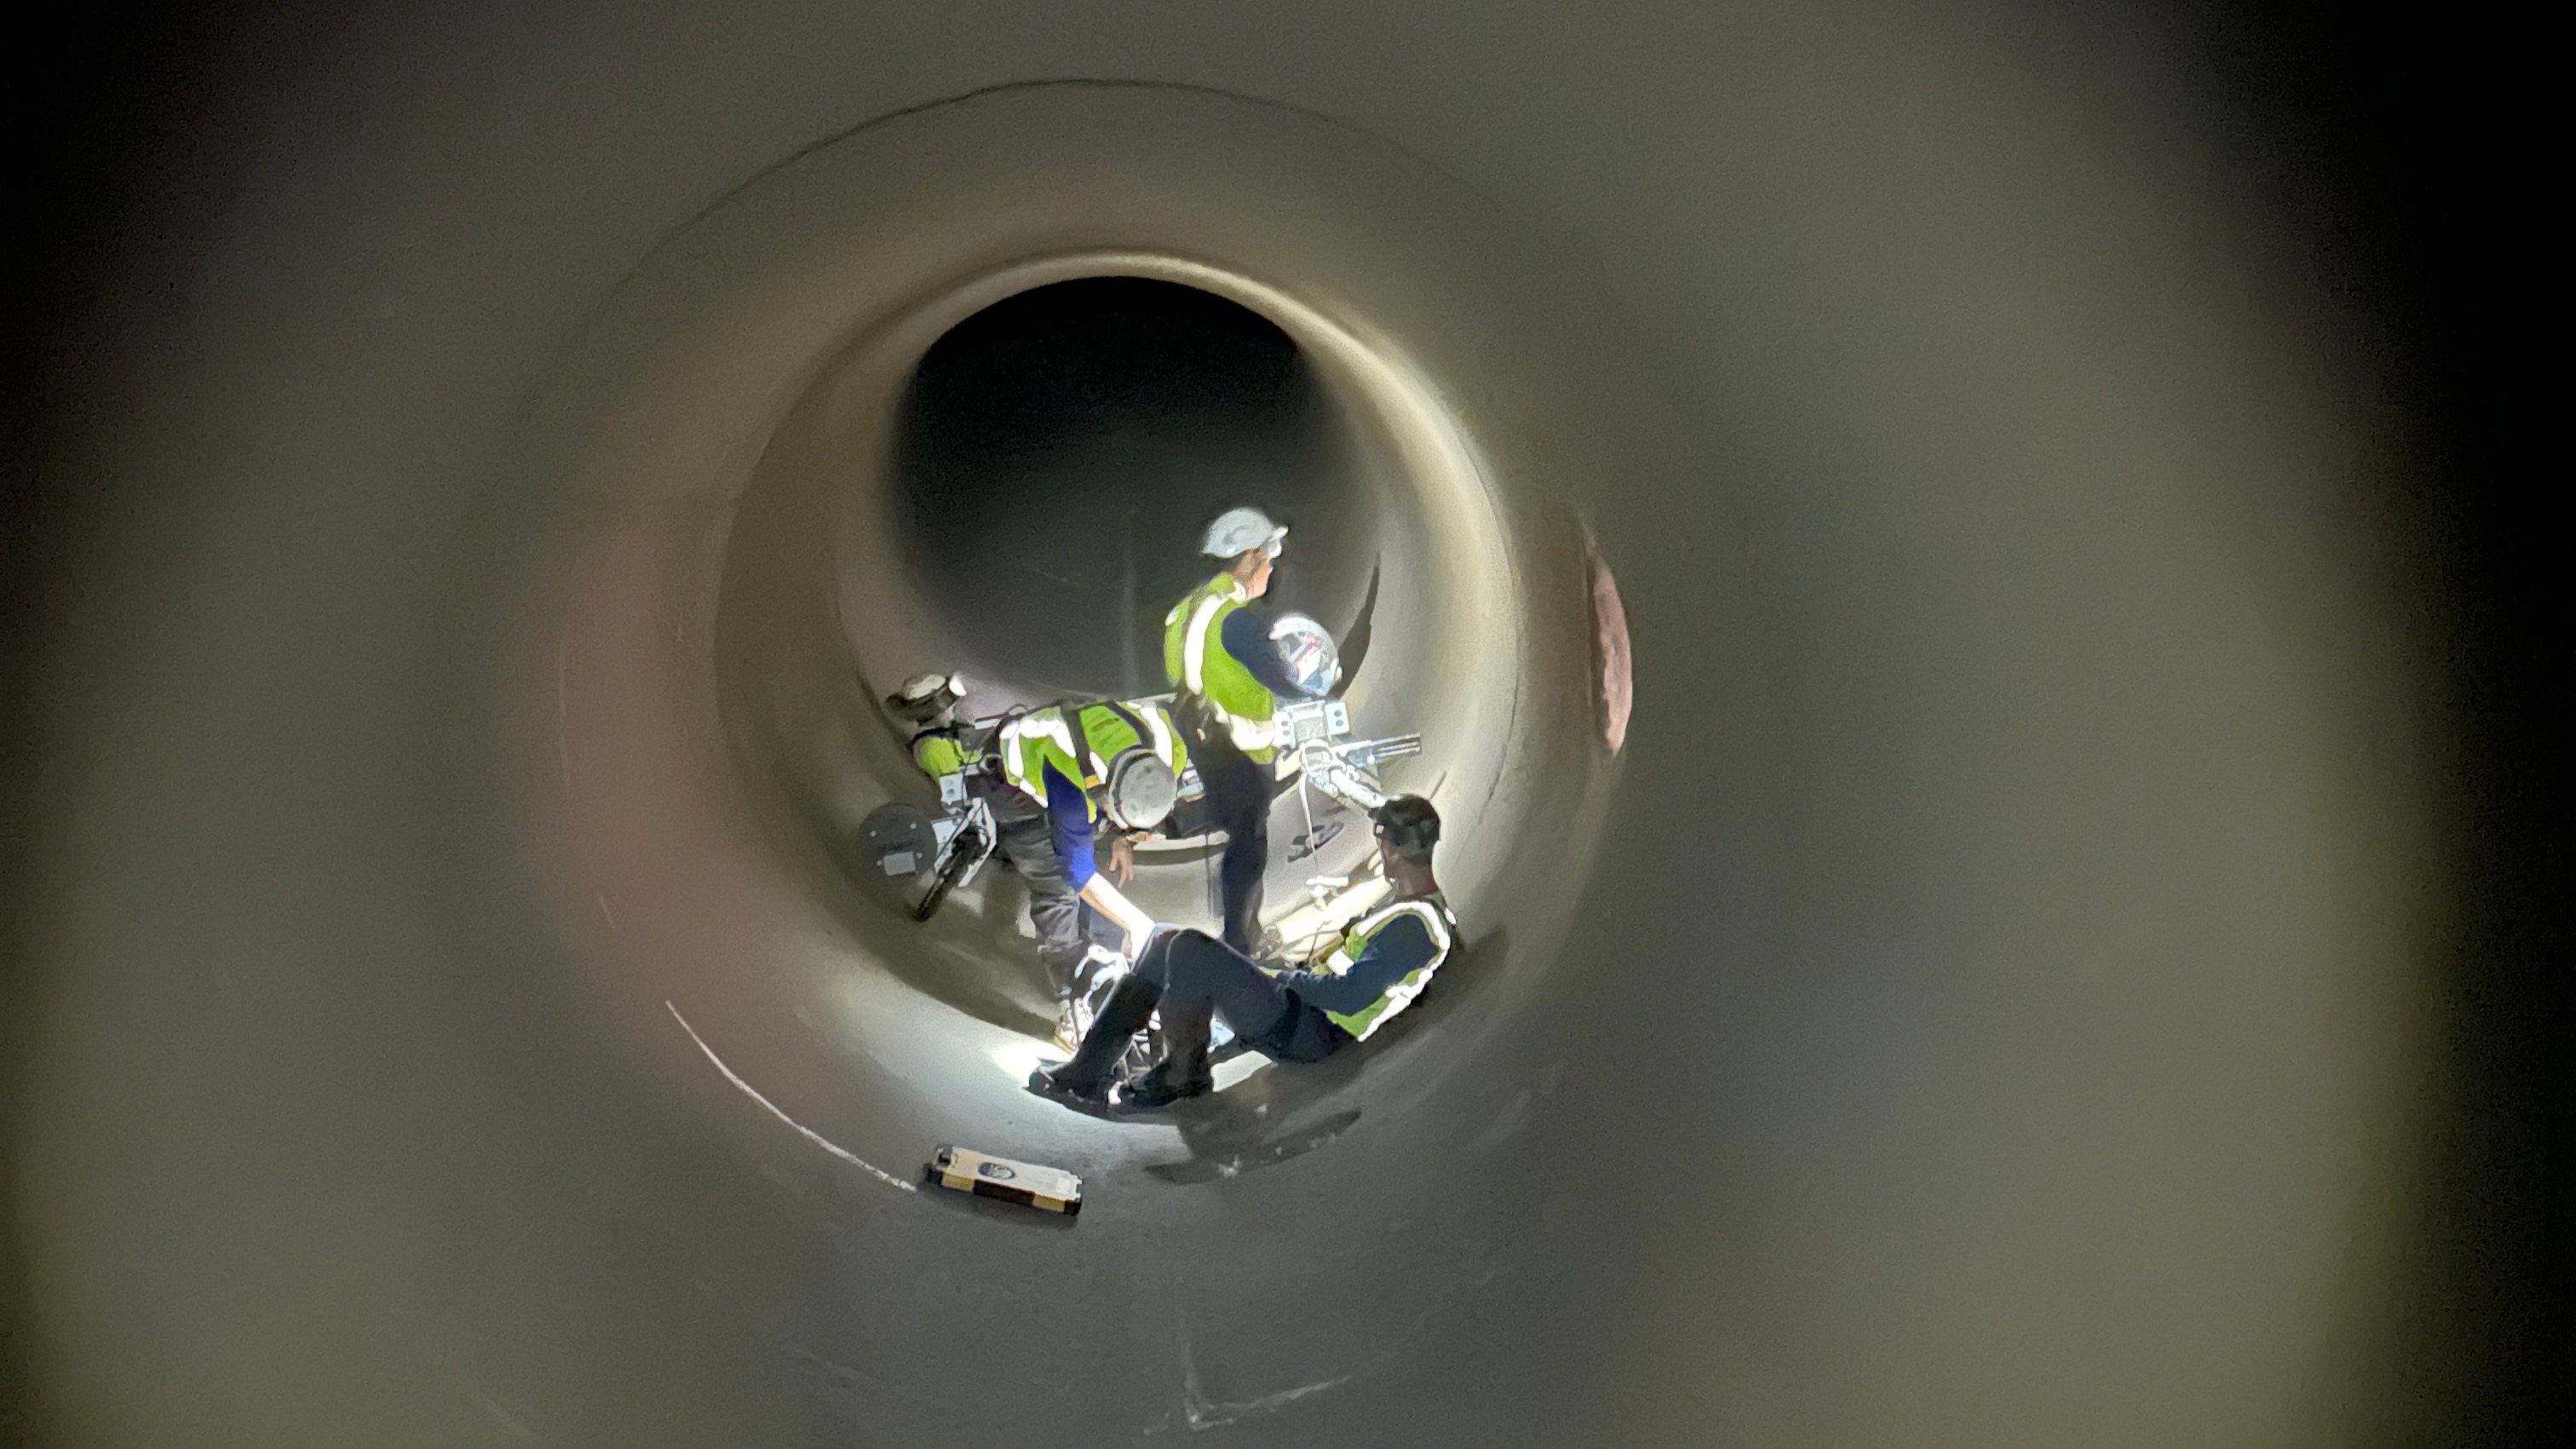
1058 780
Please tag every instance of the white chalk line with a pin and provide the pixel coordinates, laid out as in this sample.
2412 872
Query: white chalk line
817 1138
1203 1413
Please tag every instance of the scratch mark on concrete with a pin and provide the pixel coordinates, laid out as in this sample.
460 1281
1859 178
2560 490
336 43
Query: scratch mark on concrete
563 716
1202 1413
1506 1122
499 1415
836 1369
817 1138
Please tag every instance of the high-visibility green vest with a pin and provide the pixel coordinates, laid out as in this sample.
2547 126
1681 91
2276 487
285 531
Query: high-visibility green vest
1081 746
942 754
1197 664
950 763
1433 912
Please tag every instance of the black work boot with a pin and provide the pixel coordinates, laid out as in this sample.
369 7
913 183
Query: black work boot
1085 1079
1183 1072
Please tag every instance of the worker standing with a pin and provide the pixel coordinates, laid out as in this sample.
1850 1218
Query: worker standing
1050 776
1379 966
1228 676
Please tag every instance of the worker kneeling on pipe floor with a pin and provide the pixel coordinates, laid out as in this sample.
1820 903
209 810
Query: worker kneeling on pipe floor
1380 965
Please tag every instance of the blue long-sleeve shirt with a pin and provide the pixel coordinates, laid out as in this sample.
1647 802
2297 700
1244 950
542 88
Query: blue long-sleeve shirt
1400 947
1246 635
1069 821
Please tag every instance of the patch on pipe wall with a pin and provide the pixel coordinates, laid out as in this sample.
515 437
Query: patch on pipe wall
1617 691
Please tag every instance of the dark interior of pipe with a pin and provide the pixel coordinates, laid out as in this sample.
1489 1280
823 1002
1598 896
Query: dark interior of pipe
1061 452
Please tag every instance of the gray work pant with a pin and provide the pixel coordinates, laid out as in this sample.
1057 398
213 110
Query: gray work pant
1056 910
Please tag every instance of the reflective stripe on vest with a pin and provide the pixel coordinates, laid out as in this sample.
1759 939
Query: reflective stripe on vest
1193 632
1110 729
1167 741
1434 913
1030 742
1039 737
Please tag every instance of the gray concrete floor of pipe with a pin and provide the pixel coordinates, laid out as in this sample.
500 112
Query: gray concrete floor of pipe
1980 995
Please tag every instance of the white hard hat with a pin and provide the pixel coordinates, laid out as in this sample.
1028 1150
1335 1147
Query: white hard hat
923 686
1140 790
1241 530
925 696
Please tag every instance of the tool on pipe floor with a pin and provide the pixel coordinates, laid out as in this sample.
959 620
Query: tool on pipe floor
1029 1184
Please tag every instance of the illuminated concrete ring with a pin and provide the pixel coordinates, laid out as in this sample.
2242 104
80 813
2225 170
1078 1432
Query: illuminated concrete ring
732 479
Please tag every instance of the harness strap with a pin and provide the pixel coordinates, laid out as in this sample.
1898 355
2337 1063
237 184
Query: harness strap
1145 736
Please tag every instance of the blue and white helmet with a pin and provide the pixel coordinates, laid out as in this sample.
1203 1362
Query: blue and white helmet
1307 653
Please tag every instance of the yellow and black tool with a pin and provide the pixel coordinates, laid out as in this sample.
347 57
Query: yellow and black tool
1026 1183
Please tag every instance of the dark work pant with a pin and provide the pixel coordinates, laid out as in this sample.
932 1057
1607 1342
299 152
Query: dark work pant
1201 975
1055 908
1238 794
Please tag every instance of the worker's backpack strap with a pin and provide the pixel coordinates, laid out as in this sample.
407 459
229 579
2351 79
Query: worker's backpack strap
1082 729
1085 752
1128 717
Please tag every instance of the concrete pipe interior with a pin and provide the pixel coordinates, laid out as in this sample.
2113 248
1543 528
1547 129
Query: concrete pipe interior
1976 1005
894 526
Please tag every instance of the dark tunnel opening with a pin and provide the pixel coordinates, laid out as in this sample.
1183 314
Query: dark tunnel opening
1056 453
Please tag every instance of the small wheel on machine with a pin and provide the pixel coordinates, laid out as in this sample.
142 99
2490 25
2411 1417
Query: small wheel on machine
953 871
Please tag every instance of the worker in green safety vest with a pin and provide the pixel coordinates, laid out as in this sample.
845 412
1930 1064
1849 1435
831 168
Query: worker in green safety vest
1090 765
1377 968
1052 776
1228 676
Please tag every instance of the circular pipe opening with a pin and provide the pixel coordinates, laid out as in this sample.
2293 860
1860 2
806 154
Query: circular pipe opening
1010 479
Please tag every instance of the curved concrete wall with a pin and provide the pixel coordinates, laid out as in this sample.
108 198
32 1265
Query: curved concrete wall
1979 1006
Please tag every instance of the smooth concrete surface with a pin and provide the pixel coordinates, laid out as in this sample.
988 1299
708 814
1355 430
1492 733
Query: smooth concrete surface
1981 1004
